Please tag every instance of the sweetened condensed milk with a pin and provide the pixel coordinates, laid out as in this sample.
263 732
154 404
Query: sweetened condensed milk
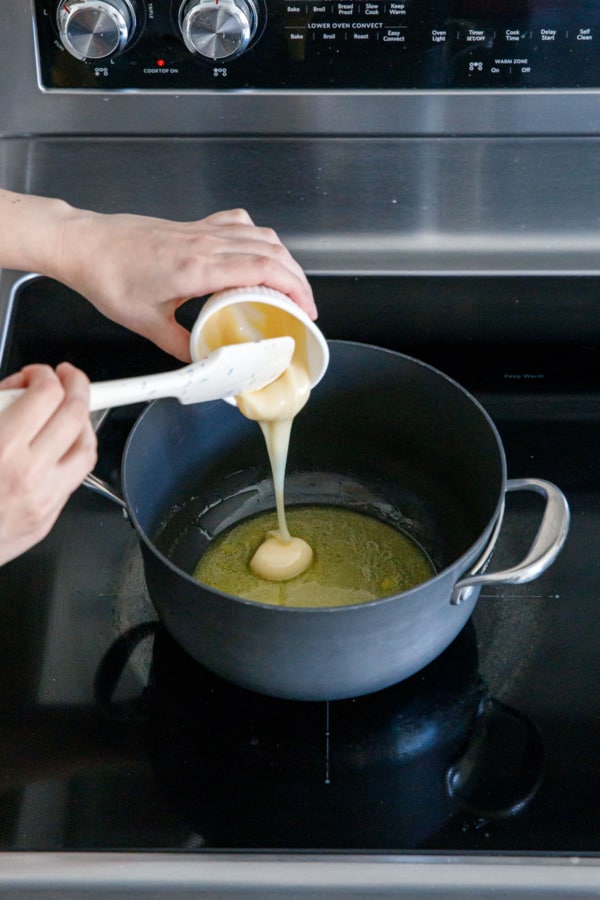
356 558
279 557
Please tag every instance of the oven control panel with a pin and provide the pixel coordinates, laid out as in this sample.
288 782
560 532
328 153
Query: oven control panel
317 44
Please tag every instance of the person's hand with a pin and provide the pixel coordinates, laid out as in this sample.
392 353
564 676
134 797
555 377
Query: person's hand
138 270
47 447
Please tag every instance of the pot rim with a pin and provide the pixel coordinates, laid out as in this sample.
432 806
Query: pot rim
477 553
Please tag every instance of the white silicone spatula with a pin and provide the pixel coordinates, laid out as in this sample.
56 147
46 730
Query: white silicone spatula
226 372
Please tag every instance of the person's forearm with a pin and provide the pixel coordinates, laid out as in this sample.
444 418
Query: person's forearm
138 270
31 231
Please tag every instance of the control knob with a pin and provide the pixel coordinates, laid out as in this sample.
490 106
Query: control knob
218 29
95 29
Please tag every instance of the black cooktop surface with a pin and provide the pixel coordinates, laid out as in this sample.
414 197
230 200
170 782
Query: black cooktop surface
111 737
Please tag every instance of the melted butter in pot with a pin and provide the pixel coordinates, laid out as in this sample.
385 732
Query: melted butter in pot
357 559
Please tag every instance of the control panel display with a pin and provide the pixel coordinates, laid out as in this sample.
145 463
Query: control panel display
317 44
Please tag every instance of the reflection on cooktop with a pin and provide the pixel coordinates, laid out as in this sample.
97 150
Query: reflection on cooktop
381 771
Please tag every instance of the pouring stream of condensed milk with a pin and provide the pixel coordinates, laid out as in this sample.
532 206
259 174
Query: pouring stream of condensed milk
280 557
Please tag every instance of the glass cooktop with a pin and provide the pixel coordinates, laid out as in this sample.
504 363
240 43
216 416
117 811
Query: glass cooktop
111 737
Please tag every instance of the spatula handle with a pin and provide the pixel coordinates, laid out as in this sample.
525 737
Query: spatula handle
123 391
118 392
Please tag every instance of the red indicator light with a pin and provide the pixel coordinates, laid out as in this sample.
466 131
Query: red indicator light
160 63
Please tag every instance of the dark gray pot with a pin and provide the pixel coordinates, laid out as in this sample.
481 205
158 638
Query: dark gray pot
382 433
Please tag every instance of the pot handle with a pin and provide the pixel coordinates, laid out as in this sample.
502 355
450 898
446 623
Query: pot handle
92 481
96 484
546 546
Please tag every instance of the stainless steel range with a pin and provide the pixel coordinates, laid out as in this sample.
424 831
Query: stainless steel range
435 168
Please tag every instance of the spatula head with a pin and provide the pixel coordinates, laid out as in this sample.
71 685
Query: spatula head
238 368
